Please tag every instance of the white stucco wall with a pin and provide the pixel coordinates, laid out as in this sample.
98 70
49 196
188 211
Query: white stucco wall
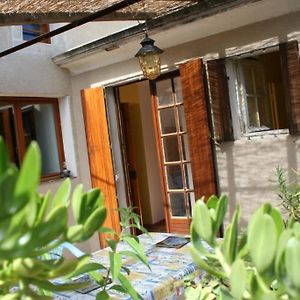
245 167
153 172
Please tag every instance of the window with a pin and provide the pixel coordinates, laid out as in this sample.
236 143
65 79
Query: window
23 120
260 93
31 31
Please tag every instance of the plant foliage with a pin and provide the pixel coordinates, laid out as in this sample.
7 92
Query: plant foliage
289 194
261 264
33 225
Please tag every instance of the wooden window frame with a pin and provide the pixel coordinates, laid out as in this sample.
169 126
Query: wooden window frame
16 103
44 28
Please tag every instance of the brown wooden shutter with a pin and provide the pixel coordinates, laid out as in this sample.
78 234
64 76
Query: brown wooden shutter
290 65
196 112
99 152
220 100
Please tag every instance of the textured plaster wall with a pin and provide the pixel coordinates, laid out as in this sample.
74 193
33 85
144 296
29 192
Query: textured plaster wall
246 169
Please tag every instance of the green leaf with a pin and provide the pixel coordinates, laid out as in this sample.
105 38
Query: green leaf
43 208
112 244
292 262
90 202
67 267
212 202
229 245
276 215
128 287
115 264
197 242
62 194
86 268
284 237
221 209
103 296
204 265
9 204
202 221
262 241
4 160
77 202
118 288
296 230
238 278
48 286
138 249
106 230
75 233
94 221
29 175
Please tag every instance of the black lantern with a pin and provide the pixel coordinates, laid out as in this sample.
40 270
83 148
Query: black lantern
149 57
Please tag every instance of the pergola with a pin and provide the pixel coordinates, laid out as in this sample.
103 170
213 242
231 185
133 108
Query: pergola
13 12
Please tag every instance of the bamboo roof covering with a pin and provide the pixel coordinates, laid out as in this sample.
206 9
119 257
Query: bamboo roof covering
55 11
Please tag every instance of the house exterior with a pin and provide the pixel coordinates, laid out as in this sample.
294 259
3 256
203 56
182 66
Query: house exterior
223 115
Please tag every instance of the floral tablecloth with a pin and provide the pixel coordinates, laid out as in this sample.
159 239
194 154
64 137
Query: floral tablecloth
163 282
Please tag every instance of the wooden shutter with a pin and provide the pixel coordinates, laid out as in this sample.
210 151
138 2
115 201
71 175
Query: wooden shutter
220 100
290 65
197 121
99 153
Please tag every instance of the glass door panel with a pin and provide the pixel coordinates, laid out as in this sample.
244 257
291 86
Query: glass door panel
174 153
177 204
175 178
167 120
171 149
164 92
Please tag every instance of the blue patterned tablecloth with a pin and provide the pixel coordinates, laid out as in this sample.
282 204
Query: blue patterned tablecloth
163 282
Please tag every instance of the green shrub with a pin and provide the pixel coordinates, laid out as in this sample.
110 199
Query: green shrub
289 194
262 264
32 225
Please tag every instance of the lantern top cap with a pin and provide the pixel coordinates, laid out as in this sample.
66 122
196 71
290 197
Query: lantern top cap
148 47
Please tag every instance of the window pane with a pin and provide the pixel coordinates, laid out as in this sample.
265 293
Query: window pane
177 204
253 112
39 125
188 176
8 132
164 92
174 177
182 118
167 120
178 90
247 70
170 147
264 112
185 147
259 82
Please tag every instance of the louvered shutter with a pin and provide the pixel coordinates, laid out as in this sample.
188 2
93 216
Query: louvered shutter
290 65
217 79
197 121
99 153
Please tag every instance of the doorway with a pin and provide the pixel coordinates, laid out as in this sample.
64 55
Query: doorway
140 158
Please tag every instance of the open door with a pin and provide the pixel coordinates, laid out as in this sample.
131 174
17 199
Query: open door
179 104
99 152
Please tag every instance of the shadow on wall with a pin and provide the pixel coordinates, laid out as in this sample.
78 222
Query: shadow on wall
246 170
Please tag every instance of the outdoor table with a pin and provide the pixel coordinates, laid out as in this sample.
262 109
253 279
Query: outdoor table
164 281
